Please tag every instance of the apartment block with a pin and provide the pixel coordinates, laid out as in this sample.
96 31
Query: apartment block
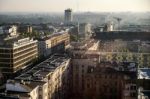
93 79
54 43
105 82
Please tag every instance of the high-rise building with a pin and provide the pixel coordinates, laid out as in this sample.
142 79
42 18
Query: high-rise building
16 54
68 16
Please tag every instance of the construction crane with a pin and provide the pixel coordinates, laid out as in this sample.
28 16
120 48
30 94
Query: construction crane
118 20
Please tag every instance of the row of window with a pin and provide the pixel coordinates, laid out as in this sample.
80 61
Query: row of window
24 47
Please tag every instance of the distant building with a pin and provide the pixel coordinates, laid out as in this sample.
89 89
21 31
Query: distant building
53 43
25 29
85 30
8 30
68 16
124 35
108 27
16 54
142 28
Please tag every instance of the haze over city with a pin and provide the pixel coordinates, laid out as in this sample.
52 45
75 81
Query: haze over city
77 5
74 49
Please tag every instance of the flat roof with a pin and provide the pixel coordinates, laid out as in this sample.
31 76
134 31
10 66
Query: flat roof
40 71
51 36
14 41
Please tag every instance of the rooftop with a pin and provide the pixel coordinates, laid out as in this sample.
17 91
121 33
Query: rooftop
83 45
51 36
109 68
35 77
39 72
14 42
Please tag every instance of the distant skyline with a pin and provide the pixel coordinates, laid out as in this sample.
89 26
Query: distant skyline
76 5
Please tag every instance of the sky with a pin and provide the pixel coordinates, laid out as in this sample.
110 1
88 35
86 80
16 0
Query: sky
76 5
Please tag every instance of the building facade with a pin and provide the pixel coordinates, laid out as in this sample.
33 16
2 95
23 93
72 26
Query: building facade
52 44
95 77
25 29
68 16
85 30
48 80
94 80
17 54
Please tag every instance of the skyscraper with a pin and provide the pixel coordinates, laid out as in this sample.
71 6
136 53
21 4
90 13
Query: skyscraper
68 16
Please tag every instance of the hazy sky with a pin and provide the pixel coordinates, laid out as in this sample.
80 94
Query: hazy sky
76 5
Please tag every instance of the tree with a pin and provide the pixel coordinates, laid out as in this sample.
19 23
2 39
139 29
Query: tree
74 37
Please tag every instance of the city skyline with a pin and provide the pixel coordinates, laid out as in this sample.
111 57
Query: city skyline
76 5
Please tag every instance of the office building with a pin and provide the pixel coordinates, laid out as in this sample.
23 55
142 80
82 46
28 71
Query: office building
68 16
57 42
17 54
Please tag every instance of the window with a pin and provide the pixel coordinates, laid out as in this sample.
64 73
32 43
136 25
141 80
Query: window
133 94
88 85
82 70
46 45
40 88
133 87
40 96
